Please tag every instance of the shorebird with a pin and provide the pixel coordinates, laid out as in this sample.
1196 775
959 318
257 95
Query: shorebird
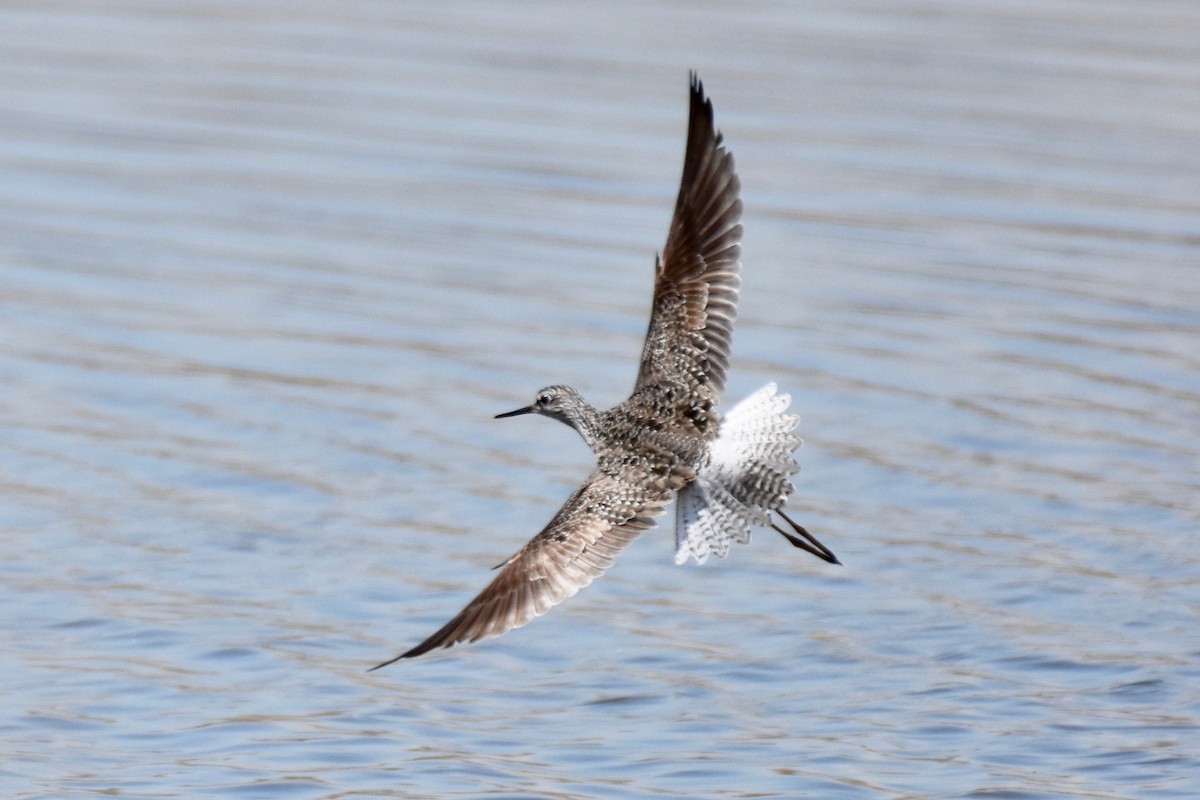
667 441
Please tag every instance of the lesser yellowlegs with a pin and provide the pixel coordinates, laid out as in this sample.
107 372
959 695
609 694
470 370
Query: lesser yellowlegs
666 441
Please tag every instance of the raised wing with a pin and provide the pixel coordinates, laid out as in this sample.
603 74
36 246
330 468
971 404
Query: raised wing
582 540
699 275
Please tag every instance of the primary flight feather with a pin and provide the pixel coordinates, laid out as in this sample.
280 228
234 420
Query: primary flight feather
667 441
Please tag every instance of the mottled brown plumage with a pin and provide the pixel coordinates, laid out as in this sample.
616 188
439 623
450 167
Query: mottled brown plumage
663 439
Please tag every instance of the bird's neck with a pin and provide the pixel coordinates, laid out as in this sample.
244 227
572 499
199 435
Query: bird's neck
586 421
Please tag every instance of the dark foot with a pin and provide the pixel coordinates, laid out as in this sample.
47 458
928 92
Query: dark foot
809 543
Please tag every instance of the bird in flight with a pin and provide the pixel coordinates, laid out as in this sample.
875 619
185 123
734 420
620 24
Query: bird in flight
667 441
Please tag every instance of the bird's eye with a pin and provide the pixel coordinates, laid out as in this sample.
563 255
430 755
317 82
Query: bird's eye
543 400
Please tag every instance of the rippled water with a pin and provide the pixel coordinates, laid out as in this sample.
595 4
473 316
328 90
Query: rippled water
267 271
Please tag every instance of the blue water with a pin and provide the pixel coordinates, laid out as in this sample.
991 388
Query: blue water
267 271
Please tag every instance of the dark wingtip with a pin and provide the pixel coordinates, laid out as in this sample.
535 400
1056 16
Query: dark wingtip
446 636
385 663
699 101
416 651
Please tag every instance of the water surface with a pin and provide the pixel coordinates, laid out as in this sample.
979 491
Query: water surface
267 271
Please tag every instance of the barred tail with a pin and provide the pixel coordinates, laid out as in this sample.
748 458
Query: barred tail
746 477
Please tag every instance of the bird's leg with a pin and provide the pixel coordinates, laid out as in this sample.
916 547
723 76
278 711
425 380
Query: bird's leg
811 545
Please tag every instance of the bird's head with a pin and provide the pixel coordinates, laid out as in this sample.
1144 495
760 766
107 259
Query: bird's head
557 402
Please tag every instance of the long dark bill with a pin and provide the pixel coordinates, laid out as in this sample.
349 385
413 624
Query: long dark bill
517 413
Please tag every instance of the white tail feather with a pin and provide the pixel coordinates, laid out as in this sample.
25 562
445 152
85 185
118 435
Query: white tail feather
745 477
